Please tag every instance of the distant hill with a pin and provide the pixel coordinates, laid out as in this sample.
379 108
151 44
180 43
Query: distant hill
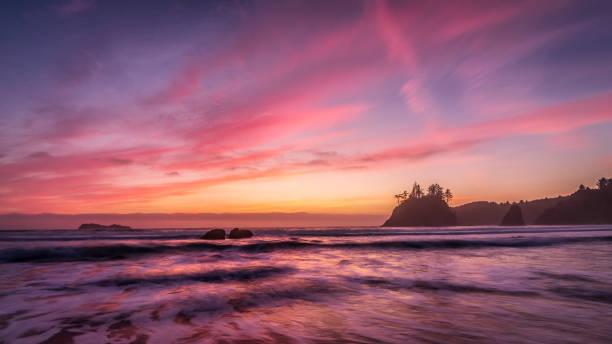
490 213
585 206
481 213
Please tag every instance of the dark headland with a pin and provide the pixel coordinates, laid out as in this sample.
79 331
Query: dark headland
585 206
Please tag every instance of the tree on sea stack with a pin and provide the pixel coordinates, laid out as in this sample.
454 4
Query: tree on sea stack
435 190
416 191
401 196
448 195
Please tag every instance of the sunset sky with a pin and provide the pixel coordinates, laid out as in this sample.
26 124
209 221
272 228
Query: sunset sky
315 106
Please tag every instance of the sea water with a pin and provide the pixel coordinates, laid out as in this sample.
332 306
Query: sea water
313 285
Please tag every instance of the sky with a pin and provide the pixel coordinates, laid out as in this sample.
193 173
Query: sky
327 107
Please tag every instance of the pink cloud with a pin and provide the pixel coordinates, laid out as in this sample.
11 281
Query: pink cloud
570 140
74 180
547 120
286 82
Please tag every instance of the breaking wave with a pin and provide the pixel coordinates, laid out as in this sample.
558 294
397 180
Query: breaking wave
215 276
122 251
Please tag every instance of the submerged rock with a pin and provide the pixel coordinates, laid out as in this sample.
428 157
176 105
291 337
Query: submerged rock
214 234
238 233
514 217
96 226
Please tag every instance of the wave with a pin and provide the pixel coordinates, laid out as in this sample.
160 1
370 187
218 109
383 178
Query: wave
312 291
103 237
123 251
567 277
595 295
436 232
573 292
399 284
97 252
425 244
245 274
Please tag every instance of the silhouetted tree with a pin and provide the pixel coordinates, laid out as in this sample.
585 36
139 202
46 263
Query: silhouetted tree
581 187
448 195
435 190
402 196
416 191
602 183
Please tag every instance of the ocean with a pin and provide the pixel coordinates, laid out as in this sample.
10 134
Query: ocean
308 285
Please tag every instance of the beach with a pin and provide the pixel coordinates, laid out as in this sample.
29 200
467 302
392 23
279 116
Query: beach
314 285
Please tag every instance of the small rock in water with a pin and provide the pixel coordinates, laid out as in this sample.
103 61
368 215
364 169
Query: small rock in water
215 234
237 233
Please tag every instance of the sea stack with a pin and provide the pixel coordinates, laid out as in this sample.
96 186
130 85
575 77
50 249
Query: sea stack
238 233
214 234
514 217
425 211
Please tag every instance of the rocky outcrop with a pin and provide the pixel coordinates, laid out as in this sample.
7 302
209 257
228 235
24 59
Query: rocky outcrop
588 206
514 217
423 211
238 233
95 226
214 234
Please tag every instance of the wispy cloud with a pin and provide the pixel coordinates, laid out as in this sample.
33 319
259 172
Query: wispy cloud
281 91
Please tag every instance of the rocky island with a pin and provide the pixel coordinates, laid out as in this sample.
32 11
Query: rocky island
238 233
419 209
95 226
214 234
